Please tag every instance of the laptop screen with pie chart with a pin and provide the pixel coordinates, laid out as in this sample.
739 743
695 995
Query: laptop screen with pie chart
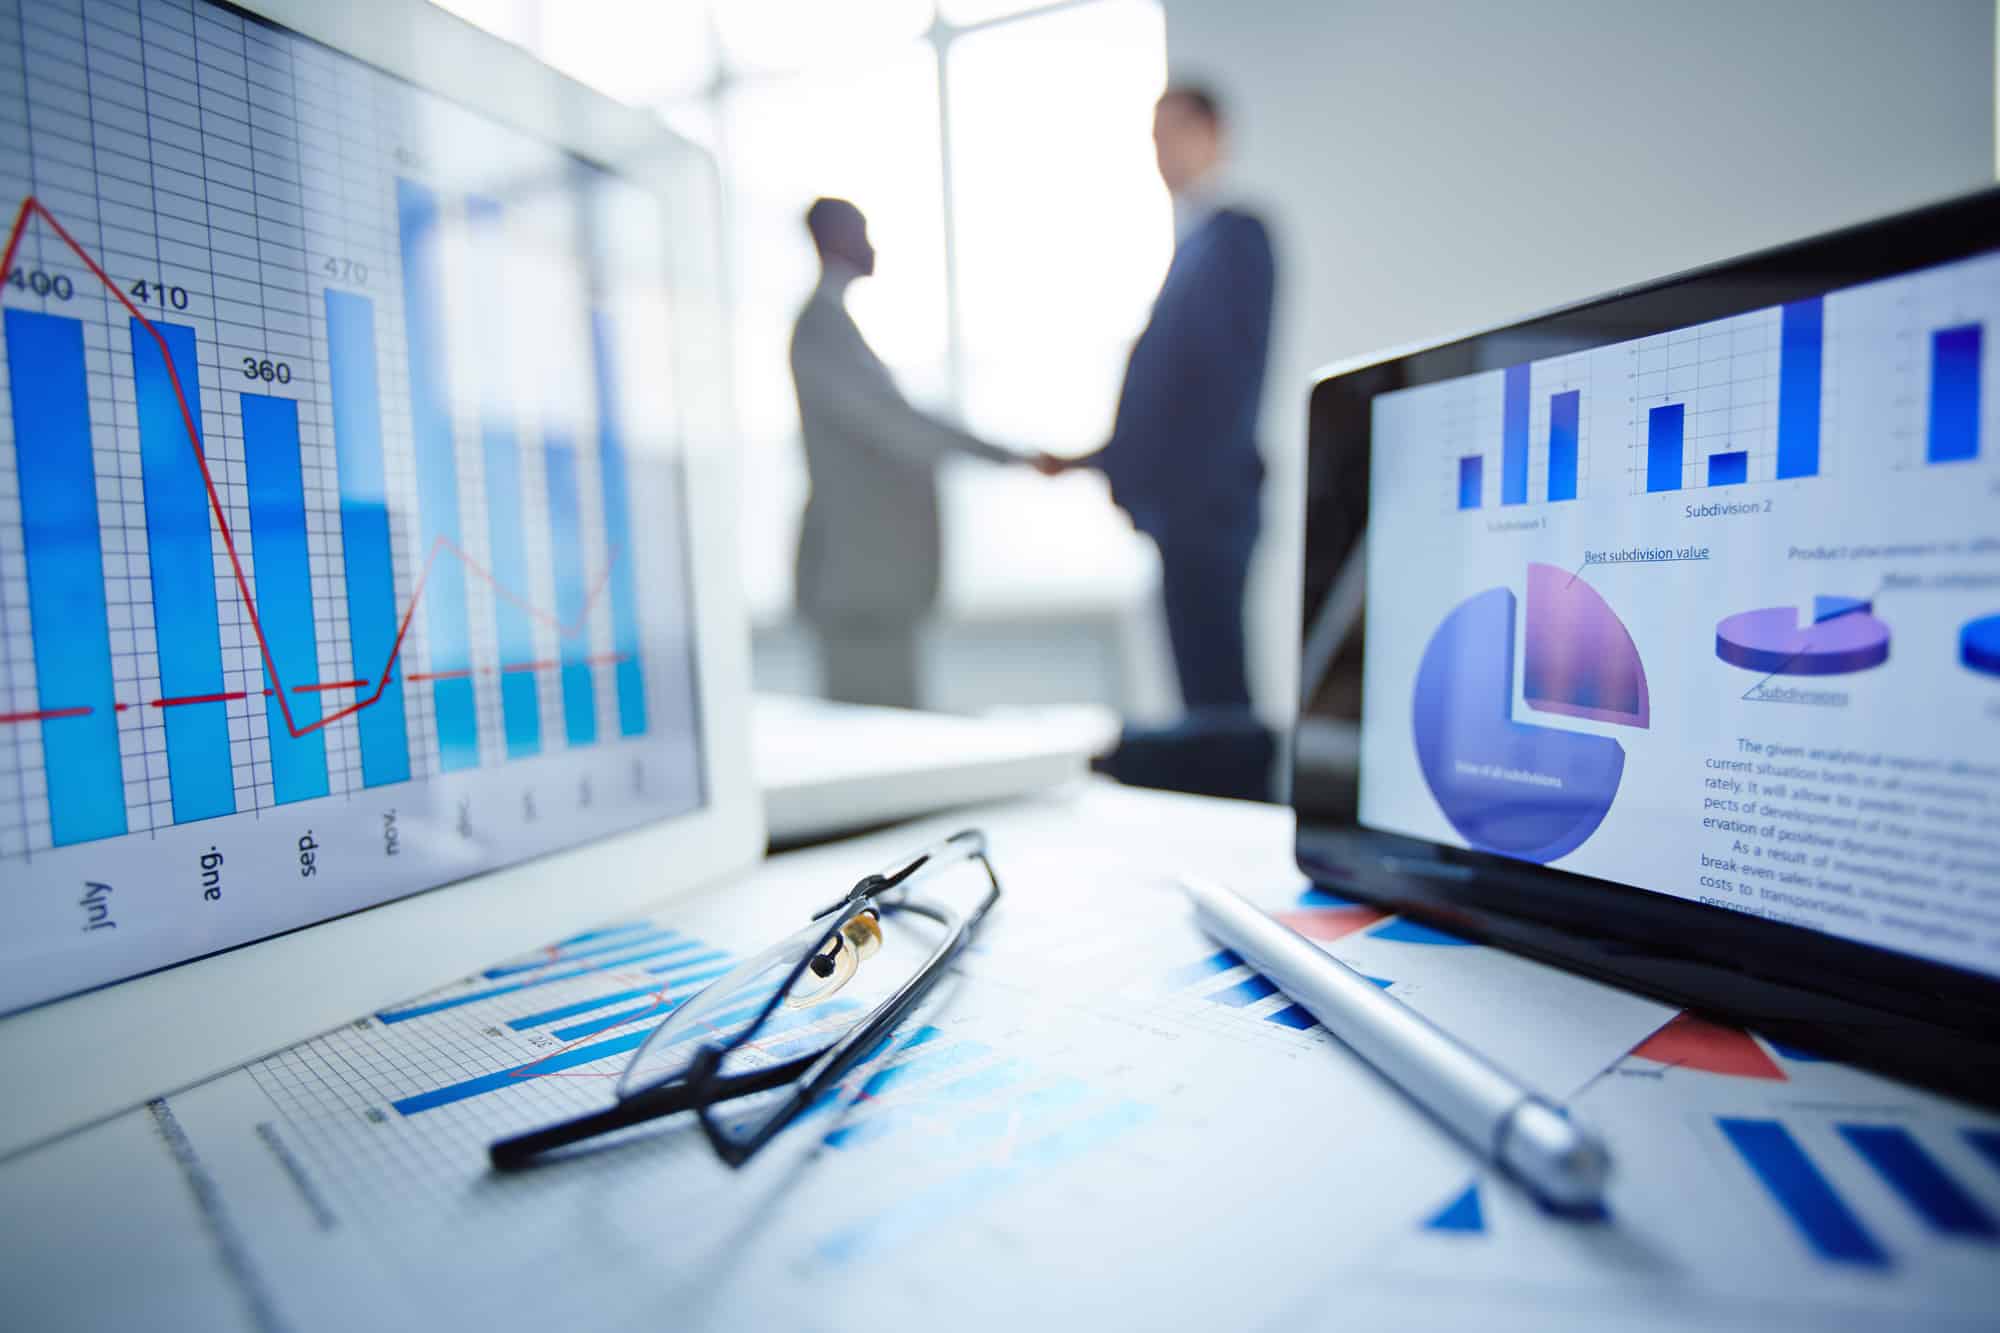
1694 592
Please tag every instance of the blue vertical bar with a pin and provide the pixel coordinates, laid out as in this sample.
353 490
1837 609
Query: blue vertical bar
181 556
284 593
1664 427
72 636
1514 439
520 702
572 607
1565 409
1801 339
618 536
1730 469
1821 1216
1913 1173
1471 478
364 535
1954 421
445 617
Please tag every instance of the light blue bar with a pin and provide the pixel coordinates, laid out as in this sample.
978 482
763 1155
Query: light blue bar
510 1078
520 701
180 550
364 535
72 637
1801 345
1565 411
579 692
445 615
283 568
1665 427
1514 438
618 535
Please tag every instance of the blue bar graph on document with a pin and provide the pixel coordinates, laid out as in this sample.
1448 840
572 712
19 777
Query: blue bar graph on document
65 558
446 619
180 550
370 577
283 569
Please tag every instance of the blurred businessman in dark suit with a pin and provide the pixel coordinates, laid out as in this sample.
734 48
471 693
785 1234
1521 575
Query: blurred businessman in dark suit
1182 459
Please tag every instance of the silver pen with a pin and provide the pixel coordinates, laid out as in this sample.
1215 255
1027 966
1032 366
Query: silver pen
1522 1133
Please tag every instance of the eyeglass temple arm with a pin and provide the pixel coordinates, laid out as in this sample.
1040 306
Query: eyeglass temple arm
521 1150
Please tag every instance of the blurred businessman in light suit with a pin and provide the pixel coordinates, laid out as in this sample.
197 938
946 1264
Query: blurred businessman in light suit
1183 458
870 548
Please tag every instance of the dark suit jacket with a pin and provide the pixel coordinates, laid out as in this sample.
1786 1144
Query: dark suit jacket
1183 458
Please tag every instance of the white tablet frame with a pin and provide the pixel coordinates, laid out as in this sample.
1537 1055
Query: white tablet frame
77 1060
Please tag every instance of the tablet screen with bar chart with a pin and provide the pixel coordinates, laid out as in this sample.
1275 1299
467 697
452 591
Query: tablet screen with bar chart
1682 624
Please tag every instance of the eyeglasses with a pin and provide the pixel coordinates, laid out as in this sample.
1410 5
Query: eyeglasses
767 1042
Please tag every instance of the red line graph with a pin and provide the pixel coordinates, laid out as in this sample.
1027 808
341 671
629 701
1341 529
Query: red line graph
32 207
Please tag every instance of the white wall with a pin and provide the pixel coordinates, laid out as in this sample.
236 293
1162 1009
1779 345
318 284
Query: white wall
1430 167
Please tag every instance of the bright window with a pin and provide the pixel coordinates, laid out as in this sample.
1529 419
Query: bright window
1016 261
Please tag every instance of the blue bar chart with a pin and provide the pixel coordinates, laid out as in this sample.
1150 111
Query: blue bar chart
1729 469
1953 432
238 624
51 403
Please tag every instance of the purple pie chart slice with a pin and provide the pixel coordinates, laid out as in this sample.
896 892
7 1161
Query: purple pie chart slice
1979 645
1534 793
1773 640
1580 659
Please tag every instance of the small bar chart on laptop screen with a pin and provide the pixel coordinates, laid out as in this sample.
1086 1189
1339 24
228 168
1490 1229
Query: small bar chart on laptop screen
332 469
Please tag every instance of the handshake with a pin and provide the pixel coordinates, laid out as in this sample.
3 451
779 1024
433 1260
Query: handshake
1051 465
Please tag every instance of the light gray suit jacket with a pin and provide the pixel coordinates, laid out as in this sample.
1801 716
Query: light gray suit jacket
870 548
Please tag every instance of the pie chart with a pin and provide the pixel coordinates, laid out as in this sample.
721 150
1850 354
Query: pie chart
1530 792
1843 636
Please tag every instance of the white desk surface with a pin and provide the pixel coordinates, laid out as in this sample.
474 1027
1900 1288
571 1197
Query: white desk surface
1173 1161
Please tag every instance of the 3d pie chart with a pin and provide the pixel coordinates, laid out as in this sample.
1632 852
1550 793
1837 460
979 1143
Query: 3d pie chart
1843 636
1522 790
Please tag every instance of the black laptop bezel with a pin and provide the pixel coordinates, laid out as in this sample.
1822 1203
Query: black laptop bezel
1926 1021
